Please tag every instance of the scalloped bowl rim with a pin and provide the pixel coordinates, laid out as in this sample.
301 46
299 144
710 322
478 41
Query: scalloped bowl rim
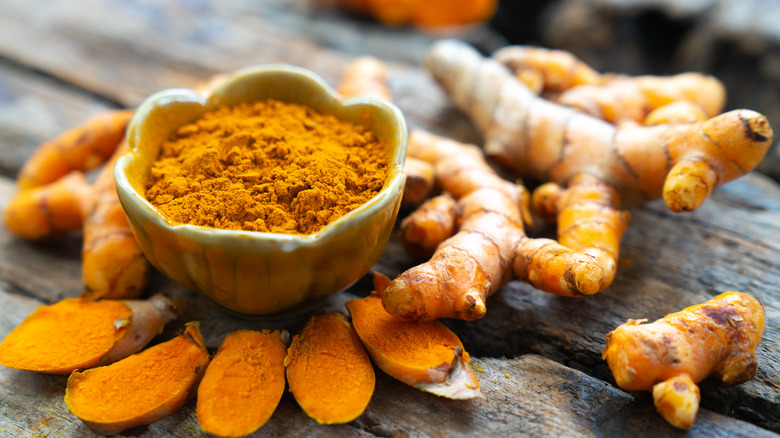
287 242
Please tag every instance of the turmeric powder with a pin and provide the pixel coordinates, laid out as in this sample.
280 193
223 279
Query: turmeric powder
329 371
243 383
139 389
269 166
669 356
75 334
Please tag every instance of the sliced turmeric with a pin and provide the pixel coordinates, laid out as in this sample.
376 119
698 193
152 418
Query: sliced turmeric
423 354
328 370
81 148
243 383
76 334
113 265
141 388
669 356
46 212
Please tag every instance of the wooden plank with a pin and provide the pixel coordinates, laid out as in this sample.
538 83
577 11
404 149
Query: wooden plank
34 109
531 395
678 260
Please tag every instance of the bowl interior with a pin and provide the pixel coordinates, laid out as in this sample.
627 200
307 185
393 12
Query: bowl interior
164 112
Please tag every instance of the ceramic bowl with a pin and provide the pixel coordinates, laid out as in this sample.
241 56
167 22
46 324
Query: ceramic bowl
251 272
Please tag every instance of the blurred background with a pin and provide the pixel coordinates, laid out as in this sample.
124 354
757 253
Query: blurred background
736 41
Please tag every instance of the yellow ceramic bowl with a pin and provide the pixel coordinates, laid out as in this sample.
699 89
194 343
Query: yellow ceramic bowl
251 272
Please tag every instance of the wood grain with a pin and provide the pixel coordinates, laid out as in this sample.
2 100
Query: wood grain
539 355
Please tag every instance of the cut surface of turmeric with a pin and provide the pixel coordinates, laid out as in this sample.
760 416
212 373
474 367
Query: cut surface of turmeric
424 354
46 212
243 383
141 388
669 356
76 334
328 370
81 148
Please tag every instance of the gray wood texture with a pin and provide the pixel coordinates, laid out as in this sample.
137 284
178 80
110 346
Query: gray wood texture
538 356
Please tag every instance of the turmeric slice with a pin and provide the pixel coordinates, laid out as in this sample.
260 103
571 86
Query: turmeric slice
76 334
141 388
81 148
113 265
669 356
328 370
243 383
46 212
423 354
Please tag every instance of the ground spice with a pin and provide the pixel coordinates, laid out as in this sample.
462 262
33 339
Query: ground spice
268 166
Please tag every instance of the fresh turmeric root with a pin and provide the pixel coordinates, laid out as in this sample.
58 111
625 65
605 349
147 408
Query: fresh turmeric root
46 212
589 218
611 97
141 388
419 182
556 70
329 371
676 112
671 355
423 354
433 222
81 148
76 334
547 141
243 384
113 265
593 166
490 247
366 76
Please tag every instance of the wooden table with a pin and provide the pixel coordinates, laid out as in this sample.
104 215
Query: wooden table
538 356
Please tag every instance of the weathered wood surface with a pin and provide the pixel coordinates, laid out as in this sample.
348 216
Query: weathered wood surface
63 61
